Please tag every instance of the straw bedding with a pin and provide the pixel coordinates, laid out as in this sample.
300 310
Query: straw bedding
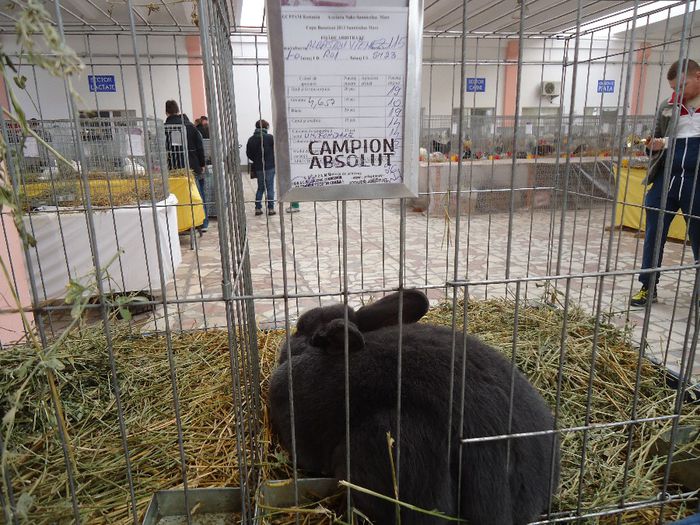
37 468
107 189
204 387
613 387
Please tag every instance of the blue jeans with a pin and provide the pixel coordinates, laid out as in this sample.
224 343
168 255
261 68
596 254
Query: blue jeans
266 185
690 520
200 187
680 195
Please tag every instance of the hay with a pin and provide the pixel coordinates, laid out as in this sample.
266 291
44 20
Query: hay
36 465
537 355
325 511
107 190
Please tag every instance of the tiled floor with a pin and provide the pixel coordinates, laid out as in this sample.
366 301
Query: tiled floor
315 251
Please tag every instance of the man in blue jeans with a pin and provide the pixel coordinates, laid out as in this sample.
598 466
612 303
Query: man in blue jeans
260 151
683 192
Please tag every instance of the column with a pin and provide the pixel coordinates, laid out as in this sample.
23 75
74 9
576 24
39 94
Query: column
639 80
196 73
12 254
510 79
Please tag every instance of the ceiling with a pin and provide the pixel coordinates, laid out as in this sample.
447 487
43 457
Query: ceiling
441 17
94 16
503 16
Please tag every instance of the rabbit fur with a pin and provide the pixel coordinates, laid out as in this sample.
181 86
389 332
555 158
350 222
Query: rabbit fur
483 482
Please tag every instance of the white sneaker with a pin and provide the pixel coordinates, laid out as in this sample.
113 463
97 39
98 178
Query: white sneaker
292 210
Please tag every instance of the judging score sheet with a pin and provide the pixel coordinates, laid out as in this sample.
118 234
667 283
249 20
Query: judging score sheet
344 73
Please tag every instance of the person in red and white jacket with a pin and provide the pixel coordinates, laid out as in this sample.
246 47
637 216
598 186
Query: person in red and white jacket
682 150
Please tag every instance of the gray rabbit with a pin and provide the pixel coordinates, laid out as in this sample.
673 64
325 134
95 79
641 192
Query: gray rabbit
499 482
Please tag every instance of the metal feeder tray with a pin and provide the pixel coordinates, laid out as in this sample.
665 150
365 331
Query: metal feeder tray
214 506
280 494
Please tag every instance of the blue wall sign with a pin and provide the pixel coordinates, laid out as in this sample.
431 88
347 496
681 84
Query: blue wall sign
102 83
606 86
476 85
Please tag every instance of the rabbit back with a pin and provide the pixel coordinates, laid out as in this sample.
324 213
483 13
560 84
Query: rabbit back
496 482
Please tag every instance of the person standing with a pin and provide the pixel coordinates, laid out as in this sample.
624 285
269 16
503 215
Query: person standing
260 151
203 126
175 146
683 191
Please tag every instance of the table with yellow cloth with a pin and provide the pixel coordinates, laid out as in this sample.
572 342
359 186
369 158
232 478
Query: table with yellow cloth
113 192
190 208
630 201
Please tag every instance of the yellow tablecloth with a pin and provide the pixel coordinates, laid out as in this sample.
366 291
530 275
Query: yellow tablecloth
630 201
190 210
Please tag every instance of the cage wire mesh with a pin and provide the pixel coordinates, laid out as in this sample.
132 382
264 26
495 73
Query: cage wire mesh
116 246
520 234
114 151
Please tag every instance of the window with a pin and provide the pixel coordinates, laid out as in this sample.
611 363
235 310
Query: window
537 111
608 113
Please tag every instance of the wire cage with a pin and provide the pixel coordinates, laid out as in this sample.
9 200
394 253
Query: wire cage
537 136
209 196
128 295
112 150
147 393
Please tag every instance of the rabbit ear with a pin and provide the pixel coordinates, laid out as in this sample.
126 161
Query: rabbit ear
310 321
331 337
385 311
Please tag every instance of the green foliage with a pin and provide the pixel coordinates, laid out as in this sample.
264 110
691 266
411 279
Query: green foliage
78 295
122 302
9 201
37 35
42 46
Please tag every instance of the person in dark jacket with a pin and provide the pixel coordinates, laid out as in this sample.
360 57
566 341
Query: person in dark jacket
260 151
679 145
175 146
203 126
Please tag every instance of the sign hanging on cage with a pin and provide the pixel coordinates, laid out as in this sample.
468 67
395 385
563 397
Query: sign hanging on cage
102 83
476 85
606 86
31 147
346 95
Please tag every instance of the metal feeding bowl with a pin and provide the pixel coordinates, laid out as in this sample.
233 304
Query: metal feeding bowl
215 506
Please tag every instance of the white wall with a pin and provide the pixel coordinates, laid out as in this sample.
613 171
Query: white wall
248 78
542 61
164 77
442 84
656 86
168 76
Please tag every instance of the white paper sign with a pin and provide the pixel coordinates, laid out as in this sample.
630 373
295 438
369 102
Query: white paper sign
344 74
345 94
31 147
176 137
136 142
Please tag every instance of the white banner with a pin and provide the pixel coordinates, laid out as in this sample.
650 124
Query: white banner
344 94
31 147
136 144
63 249
344 74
